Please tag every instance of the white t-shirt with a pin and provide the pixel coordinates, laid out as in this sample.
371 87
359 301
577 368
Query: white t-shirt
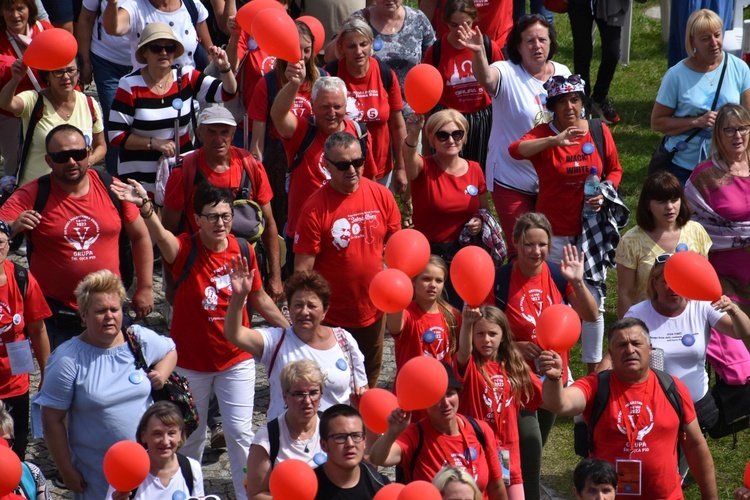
152 489
142 12
333 362
684 340
112 48
518 105
288 447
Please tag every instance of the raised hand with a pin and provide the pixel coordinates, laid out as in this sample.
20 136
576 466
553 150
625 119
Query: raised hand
398 421
241 276
571 266
569 136
471 38
132 192
470 315
219 57
295 73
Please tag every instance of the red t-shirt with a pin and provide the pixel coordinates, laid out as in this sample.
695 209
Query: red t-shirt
257 64
440 450
442 203
8 56
174 197
200 307
75 237
562 172
527 298
656 442
461 91
312 173
347 234
411 342
495 20
258 110
369 103
478 401
15 314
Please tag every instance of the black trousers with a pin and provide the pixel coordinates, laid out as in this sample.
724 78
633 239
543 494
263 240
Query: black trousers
18 408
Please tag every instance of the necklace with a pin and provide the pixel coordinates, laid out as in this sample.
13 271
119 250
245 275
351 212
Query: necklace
59 107
392 24
159 84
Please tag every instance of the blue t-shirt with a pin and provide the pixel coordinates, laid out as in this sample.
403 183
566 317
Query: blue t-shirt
691 93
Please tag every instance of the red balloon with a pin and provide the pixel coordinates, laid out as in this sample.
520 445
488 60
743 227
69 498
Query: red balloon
747 475
246 14
421 383
692 276
10 466
473 275
558 328
126 465
391 290
423 87
318 31
293 480
375 406
51 49
277 35
389 492
407 250
419 490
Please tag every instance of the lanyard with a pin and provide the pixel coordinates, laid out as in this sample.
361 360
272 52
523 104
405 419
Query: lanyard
631 427
466 456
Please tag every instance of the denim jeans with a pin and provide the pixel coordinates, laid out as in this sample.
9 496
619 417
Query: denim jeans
107 77
535 7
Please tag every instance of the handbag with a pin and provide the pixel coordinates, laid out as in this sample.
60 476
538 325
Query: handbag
662 157
733 402
176 388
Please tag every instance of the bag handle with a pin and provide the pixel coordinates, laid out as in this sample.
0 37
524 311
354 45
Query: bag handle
696 131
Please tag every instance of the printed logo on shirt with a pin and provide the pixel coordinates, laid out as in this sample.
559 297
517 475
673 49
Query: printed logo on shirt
531 311
355 227
342 233
635 408
322 166
494 401
355 111
211 299
268 64
302 106
7 320
81 232
220 280
461 461
435 345
465 86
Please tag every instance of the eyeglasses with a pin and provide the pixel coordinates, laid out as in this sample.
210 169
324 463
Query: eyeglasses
662 259
11 441
344 165
357 437
65 156
3 244
301 396
226 218
59 73
572 79
442 135
730 131
156 48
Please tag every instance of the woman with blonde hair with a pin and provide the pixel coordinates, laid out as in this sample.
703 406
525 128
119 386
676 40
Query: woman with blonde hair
456 484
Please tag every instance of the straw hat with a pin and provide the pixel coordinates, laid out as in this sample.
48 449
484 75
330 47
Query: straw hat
156 31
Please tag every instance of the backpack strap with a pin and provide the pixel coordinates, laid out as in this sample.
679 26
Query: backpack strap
502 285
478 431
42 195
189 172
436 50
272 89
560 282
307 140
92 110
346 347
487 48
244 248
274 436
193 11
21 275
417 449
385 75
670 389
28 484
276 352
601 399
37 113
595 127
134 344
192 256
362 136
333 67
187 471
249 165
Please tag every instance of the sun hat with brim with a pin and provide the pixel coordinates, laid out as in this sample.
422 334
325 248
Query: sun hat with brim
153 32
216 115
453 382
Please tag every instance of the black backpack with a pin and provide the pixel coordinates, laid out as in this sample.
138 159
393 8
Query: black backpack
385 72
127 267
584 439
274 434
185 470
193 255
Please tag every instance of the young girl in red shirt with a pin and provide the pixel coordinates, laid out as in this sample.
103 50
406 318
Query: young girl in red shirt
497 383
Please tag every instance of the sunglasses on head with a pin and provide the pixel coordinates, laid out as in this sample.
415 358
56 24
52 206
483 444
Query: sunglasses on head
65 156
156 48
344 165
442 135
662 259
572 79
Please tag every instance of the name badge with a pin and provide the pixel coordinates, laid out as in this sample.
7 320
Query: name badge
629 474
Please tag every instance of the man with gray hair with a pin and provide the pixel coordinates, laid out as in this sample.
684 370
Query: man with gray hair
348 261
643 422
303 139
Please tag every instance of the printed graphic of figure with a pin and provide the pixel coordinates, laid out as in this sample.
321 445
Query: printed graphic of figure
342 233
81 232
212 299
354 109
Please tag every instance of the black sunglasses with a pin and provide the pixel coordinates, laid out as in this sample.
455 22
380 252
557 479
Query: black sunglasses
442 135
344 165
65 156
156 48
572 79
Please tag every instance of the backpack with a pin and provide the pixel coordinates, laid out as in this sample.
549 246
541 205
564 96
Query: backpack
21 274
185 470
274 434
502 282
436 50
309 138
595 127
127 267
28 484
584 441
401 476
193 255
385 72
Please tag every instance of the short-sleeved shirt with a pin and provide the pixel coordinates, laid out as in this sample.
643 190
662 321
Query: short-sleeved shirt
174 198
104 396
562 172
200 306
334 362
36 166
110 48
16 313
370 482
638 251
413 342
258 109
8 56
288 447
346 233
257 64
435 445
152 487
75 237
494 18
656 444
444 203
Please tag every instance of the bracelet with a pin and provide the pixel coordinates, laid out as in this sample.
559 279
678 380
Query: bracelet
150 211
149 142
224 71
409 145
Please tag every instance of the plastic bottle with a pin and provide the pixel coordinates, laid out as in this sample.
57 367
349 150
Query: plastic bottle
590 189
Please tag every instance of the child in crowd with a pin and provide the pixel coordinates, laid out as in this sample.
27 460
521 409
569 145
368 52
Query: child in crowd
595 478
